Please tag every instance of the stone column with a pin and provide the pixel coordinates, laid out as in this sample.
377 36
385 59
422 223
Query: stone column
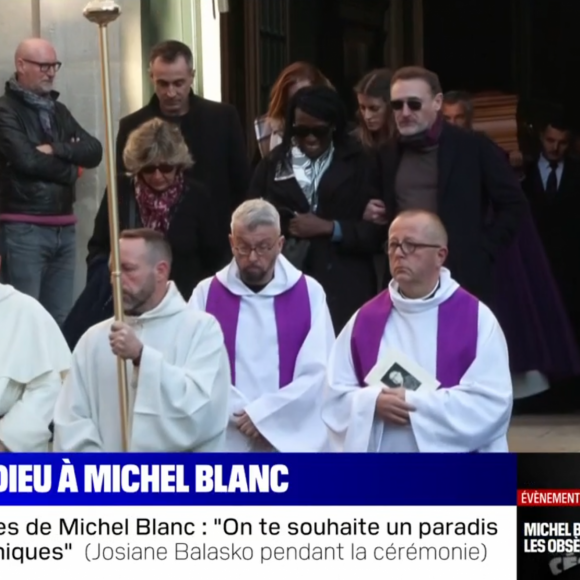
207 25
79 83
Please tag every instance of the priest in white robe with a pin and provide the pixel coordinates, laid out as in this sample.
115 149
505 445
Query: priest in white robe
430 320
278 333
34 360
177 367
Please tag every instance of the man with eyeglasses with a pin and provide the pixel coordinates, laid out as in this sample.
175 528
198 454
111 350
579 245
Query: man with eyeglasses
429 318
278 334
457 174
42 151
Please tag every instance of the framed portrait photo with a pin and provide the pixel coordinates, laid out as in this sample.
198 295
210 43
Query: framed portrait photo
396 370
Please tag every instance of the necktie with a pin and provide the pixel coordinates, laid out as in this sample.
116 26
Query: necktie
552 182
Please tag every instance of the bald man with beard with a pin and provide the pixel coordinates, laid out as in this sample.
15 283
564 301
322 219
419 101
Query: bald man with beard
42 152
425 315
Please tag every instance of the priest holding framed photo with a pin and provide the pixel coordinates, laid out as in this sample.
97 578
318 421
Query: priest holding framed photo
424 325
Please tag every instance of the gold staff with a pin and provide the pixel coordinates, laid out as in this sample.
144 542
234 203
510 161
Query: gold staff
102 13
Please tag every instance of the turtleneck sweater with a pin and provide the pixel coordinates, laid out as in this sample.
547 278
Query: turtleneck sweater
417 179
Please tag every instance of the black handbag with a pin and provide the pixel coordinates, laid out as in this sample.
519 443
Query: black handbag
296 251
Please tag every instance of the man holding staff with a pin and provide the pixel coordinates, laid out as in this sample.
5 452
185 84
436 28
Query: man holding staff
178 367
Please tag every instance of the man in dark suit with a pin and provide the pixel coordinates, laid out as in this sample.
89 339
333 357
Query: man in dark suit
212 130
454 173
552 184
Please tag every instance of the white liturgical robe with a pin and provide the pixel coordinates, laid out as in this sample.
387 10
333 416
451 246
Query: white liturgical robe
178 394
469 412
279 341
34 359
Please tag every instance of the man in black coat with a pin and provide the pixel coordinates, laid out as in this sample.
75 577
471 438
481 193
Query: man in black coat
552 184
212 130
454 173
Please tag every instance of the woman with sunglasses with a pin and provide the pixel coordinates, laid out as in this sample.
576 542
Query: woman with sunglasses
320 179
157 194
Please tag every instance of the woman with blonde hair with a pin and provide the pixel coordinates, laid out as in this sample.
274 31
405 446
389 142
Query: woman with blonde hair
157 193
270 127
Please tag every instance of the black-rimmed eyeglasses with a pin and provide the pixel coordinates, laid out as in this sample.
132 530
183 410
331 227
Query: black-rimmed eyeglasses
45 66
407 248
260 250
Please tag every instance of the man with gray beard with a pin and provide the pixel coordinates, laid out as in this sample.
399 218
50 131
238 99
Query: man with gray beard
278 333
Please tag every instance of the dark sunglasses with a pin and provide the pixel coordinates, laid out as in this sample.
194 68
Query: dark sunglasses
164 168
303 131
413 104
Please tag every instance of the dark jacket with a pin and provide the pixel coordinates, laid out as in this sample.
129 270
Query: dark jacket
345 269
474 180
198 250
32 182
214 135
94 304
556 217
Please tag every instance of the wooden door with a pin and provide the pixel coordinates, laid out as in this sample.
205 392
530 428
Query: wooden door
255 38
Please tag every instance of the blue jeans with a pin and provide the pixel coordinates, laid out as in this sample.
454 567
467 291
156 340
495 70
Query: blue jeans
40 261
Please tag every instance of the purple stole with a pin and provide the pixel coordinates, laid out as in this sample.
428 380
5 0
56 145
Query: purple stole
456 336
293 322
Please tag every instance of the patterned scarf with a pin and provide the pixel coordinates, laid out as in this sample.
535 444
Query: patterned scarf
154 207
45 106
307 172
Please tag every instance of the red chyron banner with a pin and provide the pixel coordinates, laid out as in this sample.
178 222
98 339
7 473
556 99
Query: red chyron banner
549 497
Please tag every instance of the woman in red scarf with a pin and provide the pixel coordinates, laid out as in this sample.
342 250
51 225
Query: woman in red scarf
158 194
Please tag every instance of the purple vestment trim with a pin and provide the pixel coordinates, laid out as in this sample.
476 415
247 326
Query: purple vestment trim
225 306
293 322
456 336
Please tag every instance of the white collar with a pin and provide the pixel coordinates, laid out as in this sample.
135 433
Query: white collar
285 277
445 287
428 295
546 163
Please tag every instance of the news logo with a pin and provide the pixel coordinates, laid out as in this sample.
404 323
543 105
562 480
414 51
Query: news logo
549 517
